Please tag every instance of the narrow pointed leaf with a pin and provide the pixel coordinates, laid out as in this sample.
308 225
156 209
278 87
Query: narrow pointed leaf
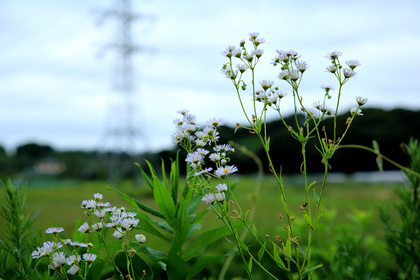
133 202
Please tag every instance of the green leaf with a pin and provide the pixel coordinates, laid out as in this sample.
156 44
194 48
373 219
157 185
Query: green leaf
250 265
267 145
201 264
288 246
311 269
379 160
154 255
133 202
164 200
315 195
181 225
176 267
284 202
193 203
145 176
164 181
262 251
308 220
199 245
147 224
139 265
243 245
174 175
311 184
278 260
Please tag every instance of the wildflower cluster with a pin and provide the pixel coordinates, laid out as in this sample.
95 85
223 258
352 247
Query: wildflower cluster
203 149
79 258
103 216
292 69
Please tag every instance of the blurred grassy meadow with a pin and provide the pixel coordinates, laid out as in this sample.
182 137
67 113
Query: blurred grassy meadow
349 206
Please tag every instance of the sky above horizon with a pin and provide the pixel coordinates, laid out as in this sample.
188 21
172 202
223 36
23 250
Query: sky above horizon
55 78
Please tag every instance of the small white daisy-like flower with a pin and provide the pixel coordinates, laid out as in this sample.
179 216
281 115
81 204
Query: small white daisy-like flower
361 100
140 238
225 170
200 143
283 75
38 253
348 73
128 215
58 260
205 170
209 198
331 68
78 244
352 63
258 41
112 225
182 111
327 88
202 152
248 57
129 223
117 234
242 67
179 135
253 35
220 196
223 148
257 53
265 84
190 128
280 94
229 73
100 214
301 65
97 196
74 269
89 258
96 227
215 157
188 118
333 55
215 122
221 187
89 204
73 260
237 52
294 75
101 204
194 157
356 111
50 246
54 230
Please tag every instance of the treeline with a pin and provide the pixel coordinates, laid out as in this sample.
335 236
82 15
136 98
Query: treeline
389 128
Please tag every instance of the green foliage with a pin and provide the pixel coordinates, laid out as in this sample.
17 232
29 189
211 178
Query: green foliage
175 222
15 254
403 236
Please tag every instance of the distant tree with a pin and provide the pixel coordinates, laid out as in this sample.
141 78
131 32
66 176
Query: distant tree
26 155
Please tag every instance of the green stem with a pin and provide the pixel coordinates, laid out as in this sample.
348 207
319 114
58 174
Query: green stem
403 168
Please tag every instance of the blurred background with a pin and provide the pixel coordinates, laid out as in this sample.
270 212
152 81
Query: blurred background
83 82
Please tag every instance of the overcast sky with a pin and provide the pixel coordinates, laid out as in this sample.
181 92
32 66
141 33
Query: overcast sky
55 82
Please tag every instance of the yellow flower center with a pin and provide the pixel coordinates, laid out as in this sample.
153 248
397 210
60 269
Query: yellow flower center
226 170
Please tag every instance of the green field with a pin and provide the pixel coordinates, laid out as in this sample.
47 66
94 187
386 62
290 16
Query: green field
59 204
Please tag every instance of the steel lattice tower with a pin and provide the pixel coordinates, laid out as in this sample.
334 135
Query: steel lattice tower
121 133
